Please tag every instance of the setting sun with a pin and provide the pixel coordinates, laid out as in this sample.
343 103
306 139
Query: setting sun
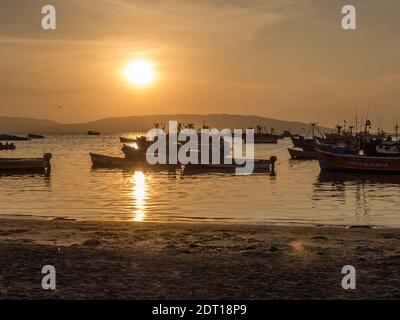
140 72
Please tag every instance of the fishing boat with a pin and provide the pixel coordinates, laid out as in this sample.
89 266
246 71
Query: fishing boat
126 140
299 153
307 144
133 153
381 148
102 161
35 136
260 166
142 143
138 163
7 146
36 165
357 163
93 133
8 137
262 136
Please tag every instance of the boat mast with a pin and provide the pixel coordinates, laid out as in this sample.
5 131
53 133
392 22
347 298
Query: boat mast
313 124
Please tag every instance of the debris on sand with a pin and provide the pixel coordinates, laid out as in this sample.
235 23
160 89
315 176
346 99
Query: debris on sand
92 243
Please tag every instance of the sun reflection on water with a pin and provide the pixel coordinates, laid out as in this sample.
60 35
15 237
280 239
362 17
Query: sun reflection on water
139 196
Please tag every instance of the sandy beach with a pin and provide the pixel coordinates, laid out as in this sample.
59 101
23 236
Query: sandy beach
128 260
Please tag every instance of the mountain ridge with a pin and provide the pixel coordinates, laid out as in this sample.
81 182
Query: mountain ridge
145 122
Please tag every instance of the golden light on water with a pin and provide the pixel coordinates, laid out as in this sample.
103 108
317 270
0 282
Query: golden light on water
140 73
139 195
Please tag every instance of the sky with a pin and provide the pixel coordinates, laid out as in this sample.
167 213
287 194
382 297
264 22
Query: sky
283 59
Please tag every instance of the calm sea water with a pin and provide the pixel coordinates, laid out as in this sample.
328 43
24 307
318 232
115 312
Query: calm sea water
297 194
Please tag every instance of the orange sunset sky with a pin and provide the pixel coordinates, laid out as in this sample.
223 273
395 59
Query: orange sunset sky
284 59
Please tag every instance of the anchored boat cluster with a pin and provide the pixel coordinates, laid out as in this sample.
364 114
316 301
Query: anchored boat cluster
349 151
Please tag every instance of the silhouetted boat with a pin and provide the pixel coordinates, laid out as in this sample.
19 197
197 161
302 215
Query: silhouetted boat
381 148
8 137
102 161
262 136
143 144
126 140
357 163
7 146
26 164
307 144
298 153
133 153
93 133
260 166
35 136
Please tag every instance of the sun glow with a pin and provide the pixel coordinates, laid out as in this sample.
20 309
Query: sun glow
140 73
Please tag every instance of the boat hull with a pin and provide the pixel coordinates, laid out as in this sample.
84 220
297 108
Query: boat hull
350 163
305 144
34 165
101 161
126 140
260 166
300 154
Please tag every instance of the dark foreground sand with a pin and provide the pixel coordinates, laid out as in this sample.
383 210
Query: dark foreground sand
184 261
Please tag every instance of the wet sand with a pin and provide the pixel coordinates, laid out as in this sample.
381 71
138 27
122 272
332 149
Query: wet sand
130 260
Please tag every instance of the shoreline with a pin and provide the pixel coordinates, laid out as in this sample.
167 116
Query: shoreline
184 260
200 221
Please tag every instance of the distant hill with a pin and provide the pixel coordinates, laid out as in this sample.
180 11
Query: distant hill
26 125
143 123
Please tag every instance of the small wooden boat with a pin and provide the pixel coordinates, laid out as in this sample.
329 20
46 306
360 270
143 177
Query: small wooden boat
7 146
93 133
35 136
357 163
39 165
7 137
299 153
336 148
101 161
260 166
126 140
142 143
133 153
